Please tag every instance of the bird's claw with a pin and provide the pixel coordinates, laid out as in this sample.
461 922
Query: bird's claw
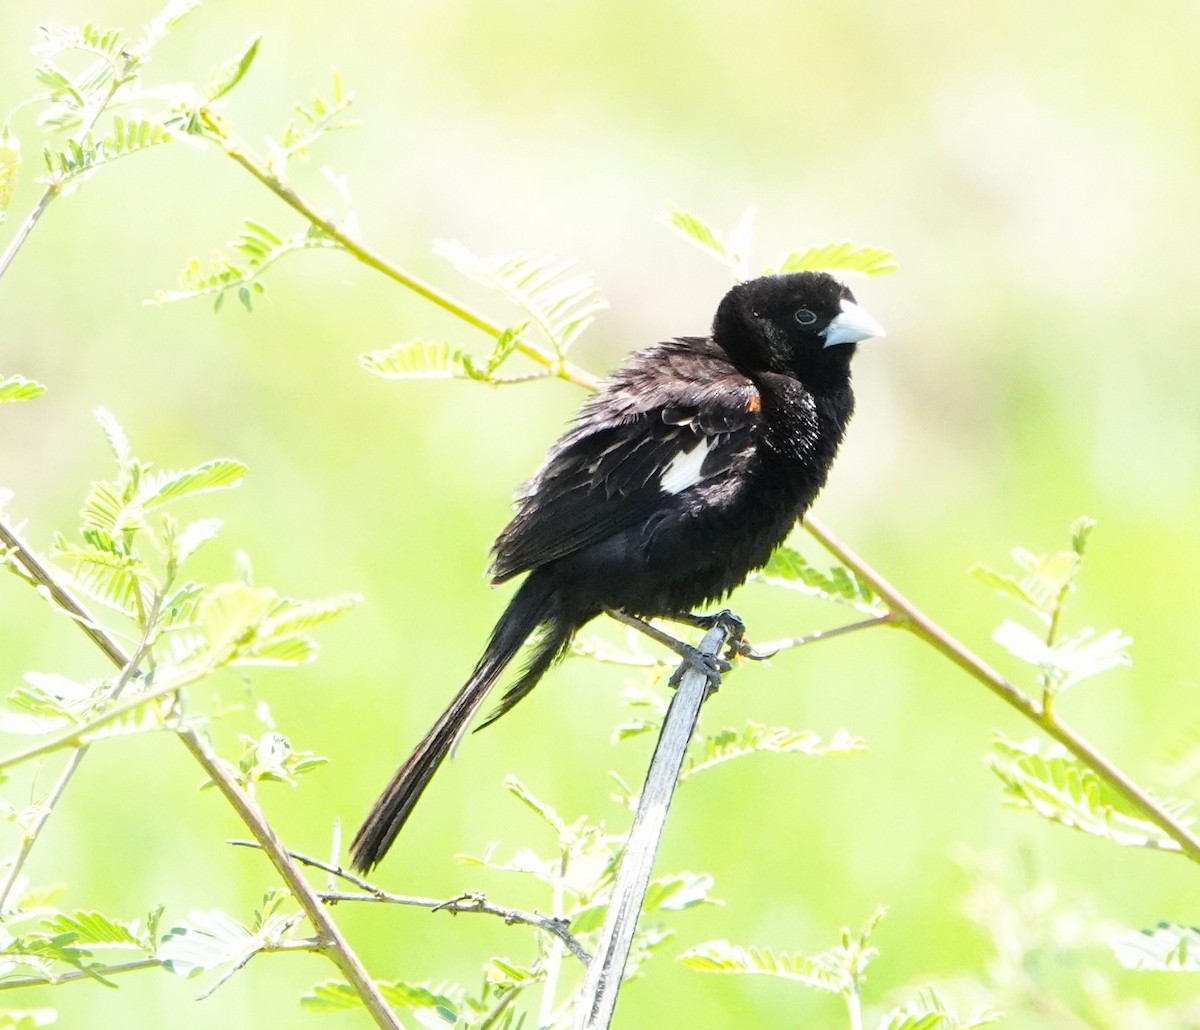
743 649
710 666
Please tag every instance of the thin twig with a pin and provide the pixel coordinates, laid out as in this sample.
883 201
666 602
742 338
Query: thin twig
772 647
30 836
917 622
473 902
79 974
598 996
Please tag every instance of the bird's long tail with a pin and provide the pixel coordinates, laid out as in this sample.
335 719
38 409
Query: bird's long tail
534 605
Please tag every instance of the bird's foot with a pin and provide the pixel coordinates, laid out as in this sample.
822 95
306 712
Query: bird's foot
710 666
739 646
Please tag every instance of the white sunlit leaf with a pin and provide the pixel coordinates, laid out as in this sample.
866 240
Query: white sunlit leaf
229 615
192 536
1169 947
115 434
560 302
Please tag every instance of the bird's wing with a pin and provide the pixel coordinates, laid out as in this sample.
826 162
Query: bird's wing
670 421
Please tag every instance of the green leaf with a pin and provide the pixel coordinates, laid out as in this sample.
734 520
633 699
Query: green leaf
180 608
94 928
505 345
104 509
906 1020
107 575
290 651
40 952
312 121
1007 586
839 257
1081 529
82 156
930 1013
48 701
259 248
560 304
504 974
789 569
271 757
734 253
1063 790
230 74
229 616
10 163
335 995
1045 579
18 388
694 229
1169 947
417 359
291 618
754 738
542 810
722 957
159 488
838 970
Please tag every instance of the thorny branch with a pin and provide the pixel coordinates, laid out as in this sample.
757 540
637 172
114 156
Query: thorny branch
471 902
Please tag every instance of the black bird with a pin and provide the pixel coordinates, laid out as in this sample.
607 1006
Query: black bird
677 479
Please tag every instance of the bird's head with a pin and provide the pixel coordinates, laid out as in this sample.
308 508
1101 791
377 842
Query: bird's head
804 324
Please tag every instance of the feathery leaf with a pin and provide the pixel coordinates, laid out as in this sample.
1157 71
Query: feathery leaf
18 388
560 303
1063 790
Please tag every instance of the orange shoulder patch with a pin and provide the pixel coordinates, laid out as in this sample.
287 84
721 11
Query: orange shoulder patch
754 403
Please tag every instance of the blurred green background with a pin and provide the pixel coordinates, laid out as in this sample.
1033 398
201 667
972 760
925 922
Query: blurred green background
1034 167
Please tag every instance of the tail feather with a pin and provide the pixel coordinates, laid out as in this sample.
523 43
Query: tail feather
532 606
552 645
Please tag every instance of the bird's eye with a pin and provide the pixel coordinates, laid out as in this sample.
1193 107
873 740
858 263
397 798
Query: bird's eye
805 317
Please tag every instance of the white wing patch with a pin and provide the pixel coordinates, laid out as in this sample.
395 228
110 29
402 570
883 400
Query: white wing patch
684 469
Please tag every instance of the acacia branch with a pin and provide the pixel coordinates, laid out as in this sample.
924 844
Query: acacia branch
215 131
911 618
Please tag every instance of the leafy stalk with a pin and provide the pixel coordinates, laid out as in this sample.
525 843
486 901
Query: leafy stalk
215 131
909 617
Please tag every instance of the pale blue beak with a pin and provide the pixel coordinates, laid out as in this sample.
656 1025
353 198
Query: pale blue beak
851 326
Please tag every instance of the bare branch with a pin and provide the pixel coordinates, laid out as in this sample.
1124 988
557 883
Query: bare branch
471 902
